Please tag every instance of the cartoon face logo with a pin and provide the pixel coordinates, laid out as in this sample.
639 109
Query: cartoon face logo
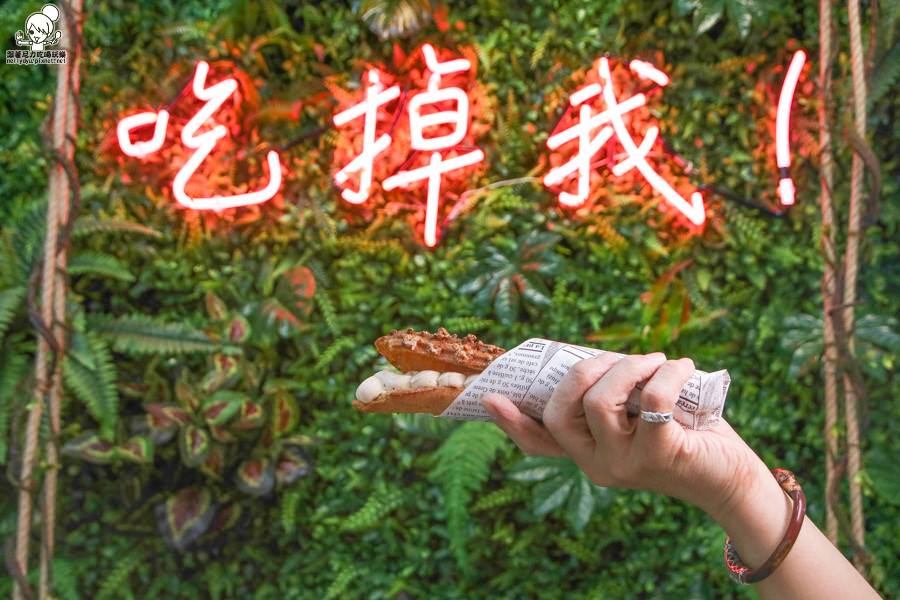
40 29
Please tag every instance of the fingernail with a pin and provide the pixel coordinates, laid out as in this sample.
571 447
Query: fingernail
657 356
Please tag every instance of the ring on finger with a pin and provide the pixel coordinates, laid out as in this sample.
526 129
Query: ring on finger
656 417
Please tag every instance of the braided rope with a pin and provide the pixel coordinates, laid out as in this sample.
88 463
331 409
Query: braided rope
828 255
42 383
48 375
67 90
851 263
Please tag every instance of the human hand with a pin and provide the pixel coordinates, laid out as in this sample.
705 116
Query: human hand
586 421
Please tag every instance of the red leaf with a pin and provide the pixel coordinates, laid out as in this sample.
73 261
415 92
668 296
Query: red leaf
293 463
169 413
185 516
255 476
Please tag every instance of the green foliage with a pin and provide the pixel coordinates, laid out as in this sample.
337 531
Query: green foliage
500 498
510 272
877 343
289 502
65 579
461 466
378 506
10 299
307 282
740 13
395 18
88 225
116 582
90 373
12 371
97 263
139 334
342 344
562 485
342 580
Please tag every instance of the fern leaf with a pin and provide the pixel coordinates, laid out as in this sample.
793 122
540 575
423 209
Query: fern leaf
9 302
341 582
462 465
540 49
28 236
574 547
884 77
333 351
508 494
140 334
379 505
464 325
328 312
99 263
65 579
289 510
13 369
88 225
112 586
90 373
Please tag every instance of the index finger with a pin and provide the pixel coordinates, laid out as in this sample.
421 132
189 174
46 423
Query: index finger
564 414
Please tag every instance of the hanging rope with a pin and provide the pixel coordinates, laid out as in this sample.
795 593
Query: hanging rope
828 278
51 321
851 262
67 175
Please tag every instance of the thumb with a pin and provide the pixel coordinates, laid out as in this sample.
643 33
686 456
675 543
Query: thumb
529 435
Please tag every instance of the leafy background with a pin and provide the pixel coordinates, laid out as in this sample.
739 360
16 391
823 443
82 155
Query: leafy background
278 308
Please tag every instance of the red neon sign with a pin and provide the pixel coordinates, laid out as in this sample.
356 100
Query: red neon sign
458 118
438 124
202 143
160 122
436 140
611 125
376 96
786 190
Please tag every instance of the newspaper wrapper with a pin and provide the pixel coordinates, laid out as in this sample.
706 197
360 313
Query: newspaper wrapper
530 372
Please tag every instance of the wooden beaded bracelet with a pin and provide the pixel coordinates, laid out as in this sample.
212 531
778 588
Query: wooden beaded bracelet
741 572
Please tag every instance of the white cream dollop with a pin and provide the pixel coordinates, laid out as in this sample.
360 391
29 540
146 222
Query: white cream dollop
387 380
452 379
369 389
424 379
392 380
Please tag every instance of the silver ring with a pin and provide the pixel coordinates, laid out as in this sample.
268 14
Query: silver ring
656 417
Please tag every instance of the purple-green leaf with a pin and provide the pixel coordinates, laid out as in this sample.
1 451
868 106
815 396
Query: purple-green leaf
222 434
194 445
251 415
222 406
214 465
89 447
226 518
138 449
226 372
187 395
185 516
293 463
169 413
215 308
238 329
285 414
255 476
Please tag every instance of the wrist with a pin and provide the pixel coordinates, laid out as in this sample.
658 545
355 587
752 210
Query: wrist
757 516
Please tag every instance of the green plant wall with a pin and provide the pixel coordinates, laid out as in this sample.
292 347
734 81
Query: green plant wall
278 307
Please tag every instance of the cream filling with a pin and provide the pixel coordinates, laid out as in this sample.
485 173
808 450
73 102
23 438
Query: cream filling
387 380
